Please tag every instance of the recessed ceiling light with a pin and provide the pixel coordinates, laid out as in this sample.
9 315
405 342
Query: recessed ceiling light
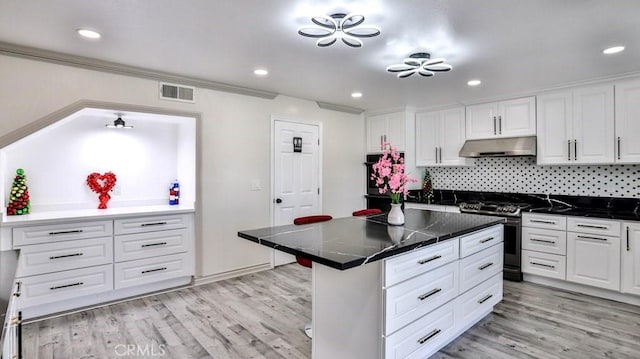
613 50
89 34
261 72
356 94
474 82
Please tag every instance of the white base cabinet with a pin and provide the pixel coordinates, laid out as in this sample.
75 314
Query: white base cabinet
630 250
68 265
593 260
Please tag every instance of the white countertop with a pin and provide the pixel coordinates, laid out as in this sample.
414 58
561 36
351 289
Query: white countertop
88 214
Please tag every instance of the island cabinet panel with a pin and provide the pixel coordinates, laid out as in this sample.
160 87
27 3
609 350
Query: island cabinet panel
478 241
477 302
410 300
400 268
481 266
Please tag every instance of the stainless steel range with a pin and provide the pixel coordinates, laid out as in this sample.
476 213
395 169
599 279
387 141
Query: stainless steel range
512 231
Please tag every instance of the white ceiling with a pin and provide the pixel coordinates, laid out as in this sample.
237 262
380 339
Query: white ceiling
513 46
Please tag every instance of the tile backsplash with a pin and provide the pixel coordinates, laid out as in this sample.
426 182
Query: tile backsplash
522 175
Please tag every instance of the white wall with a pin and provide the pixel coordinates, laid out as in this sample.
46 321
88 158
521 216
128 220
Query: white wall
235 147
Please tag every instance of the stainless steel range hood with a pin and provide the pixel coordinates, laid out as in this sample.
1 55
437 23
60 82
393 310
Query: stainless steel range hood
500 147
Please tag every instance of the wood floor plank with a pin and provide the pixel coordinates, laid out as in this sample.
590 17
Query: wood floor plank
261 316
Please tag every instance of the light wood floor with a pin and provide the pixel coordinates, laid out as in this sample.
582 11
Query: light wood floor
261 316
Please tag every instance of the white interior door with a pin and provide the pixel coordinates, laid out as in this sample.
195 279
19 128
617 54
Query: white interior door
296 176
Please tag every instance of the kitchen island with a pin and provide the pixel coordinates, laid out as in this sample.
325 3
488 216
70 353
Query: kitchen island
383 291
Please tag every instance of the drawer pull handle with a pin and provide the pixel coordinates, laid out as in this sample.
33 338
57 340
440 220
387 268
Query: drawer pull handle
542 240
67 285
589 237
543 265
66 232
18 289
427 295
541 221
628 239
153 224
154 270
423 261
485 298
592 226
429 336
153 244
66 255
485 266
486 240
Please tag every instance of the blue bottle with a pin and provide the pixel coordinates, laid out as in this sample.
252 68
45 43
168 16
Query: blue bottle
174 193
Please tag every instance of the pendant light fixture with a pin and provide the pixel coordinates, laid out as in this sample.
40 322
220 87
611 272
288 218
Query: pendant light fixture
347 28
118 123
420 63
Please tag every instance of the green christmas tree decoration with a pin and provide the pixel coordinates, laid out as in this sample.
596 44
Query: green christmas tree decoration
19 197
427 187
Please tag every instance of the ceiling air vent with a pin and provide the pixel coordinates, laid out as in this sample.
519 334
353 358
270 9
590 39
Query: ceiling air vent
177 92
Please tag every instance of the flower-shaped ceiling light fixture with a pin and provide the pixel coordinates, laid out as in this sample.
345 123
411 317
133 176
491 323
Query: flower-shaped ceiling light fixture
421 63
347 28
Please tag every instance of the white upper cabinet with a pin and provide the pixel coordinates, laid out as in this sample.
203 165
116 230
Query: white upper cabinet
627 122
576 126
386 128
511 118
439 137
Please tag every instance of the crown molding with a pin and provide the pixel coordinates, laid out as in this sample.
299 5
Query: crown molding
33 53
333 107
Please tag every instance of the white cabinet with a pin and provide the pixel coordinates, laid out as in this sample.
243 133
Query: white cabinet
593 253
387 128
627 122
511 118
630 248
439 137
576 126
544 245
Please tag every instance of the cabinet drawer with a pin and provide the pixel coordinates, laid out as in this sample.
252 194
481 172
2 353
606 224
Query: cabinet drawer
544 240
593 226
55 257
143 271
151 244
474 304
403 267
475 242
48 288
423 337
544 264
61 232
546 221
416 297
150 224
481 266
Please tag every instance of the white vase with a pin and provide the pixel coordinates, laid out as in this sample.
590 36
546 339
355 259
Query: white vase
396 217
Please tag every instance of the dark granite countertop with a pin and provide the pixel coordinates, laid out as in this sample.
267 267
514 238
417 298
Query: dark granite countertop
8 265
344 243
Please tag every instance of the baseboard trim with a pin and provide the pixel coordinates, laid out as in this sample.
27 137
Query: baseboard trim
583 289
231 274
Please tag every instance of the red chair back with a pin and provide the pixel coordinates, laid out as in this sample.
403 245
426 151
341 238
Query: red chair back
367 212
312 219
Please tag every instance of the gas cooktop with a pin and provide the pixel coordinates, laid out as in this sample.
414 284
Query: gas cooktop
494 208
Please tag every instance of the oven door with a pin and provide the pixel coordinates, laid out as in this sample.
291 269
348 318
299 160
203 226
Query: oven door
512 249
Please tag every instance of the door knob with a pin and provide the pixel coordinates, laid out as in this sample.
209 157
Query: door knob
278 200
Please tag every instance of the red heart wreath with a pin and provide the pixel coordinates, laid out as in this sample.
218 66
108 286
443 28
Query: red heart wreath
102 184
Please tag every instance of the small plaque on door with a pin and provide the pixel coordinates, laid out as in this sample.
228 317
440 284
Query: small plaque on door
297 144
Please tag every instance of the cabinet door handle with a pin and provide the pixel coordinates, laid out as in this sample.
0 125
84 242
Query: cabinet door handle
67 285
430 293
592 226
423 261
485 298
18 289
66 256
499 125
495 131
627 238
436 154
485 266
575 150
429 336
589 237
153 224
153 244
440 154
487 240
542 240
153 270
66 232
543 265
541 221
569 150
618 147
